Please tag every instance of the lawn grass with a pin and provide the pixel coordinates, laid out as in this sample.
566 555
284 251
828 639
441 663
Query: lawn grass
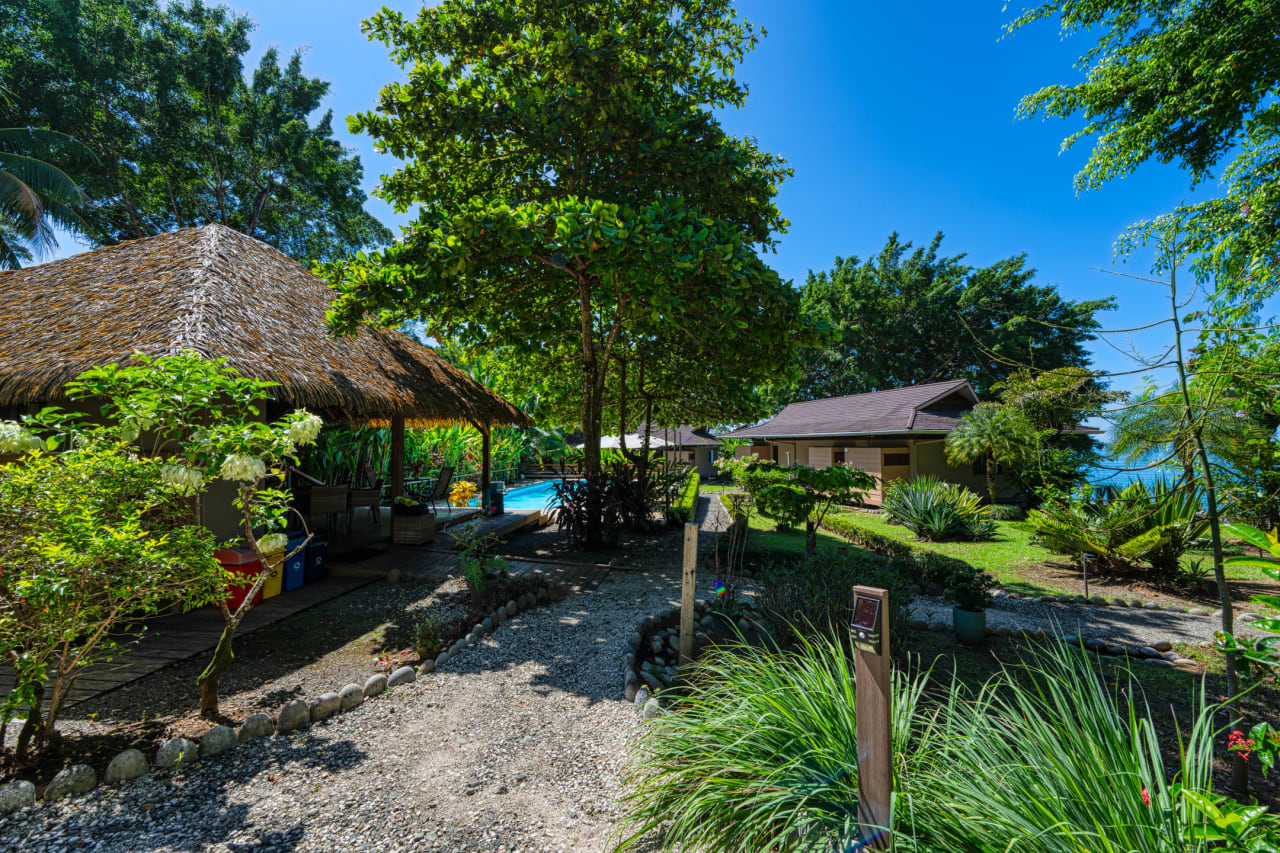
764 539
1006 558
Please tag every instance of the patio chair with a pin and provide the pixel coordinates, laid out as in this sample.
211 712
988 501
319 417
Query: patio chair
370 497
440 490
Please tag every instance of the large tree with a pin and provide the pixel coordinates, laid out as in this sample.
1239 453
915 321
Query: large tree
577 192
181 137
910 316
1191 82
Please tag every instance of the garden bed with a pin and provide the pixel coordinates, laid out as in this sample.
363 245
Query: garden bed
341 641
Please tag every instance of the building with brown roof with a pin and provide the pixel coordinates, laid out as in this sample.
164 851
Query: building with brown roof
694 445
895 434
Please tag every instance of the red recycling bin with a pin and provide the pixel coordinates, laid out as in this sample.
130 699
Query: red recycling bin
240 561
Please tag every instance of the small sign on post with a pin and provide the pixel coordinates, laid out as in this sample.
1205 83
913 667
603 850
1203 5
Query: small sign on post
870 630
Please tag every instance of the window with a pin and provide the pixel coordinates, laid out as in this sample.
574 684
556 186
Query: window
897 460
691 456
837 457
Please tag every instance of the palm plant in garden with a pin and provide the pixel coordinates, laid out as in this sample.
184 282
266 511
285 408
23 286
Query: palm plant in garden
994 435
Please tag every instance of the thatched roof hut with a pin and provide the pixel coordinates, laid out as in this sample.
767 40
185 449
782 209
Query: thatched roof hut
224 295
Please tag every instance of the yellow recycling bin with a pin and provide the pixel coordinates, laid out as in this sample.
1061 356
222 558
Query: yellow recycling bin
272 587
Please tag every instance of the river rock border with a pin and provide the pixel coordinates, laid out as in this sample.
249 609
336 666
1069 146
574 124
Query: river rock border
178 752
659 633
1105 601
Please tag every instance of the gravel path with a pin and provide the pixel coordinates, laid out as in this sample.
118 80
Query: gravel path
1133 626
519 744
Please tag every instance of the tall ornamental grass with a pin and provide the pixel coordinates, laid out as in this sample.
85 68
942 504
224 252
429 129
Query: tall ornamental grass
1046 756
761 755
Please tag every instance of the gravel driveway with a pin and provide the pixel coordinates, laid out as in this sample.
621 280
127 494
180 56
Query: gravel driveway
519 744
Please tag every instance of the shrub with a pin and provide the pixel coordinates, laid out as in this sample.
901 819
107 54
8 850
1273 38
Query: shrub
930 567
686 505
761 755
1154 525
970 589
815 593
1007 512
427 637
462 493
91 539
938 511
613 496
785 503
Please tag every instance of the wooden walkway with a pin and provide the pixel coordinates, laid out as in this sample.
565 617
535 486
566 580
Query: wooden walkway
172 638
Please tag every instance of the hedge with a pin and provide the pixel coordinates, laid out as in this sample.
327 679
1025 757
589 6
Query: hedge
685 507
931 566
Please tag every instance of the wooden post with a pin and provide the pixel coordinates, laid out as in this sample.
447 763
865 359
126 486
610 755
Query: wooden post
486 465
871 680
687 591
397 456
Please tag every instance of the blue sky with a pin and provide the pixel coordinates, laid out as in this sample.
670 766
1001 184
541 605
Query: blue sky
894 117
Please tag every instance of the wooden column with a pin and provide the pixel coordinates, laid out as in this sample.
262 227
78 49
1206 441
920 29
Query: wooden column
486 464
397 456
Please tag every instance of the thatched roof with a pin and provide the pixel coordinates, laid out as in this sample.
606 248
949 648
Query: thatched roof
224 295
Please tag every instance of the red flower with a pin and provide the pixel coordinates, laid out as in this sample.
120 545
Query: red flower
1146 797
1237 742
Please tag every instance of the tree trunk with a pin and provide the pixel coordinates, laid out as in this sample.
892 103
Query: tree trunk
991 474
32 726
1239 769
212 675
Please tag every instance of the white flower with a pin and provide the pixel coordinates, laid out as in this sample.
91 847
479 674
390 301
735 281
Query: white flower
244 469
305 428
273 542
186 480
15 438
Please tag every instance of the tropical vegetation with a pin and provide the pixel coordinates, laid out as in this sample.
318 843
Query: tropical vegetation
936 510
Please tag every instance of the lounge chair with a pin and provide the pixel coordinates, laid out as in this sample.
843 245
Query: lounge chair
440 490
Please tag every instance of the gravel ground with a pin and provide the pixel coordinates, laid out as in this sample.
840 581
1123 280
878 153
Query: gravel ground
1132 626
518 744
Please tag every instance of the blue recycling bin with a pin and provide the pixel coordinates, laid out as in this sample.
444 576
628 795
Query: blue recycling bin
295 567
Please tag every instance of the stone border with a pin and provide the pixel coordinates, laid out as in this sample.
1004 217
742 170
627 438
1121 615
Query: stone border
660 633
1104 601
177 752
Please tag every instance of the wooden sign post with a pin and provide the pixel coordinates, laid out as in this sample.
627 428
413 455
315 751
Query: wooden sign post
687 591
870 630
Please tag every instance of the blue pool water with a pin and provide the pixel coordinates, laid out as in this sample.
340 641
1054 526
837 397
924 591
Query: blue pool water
539 495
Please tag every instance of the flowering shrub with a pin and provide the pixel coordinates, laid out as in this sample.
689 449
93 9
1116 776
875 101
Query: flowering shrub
462 492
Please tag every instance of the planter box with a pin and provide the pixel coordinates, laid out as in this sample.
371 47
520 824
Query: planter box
413 529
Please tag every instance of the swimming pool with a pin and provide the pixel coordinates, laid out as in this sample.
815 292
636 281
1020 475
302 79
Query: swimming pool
538 495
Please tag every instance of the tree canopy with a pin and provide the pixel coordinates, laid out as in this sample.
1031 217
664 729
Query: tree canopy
910 316
1190 82
181 137
579 201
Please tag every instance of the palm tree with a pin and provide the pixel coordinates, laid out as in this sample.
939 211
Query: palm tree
995 434
36 195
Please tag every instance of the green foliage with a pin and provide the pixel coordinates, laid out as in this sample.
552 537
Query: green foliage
686 505
427 637
35 192
1047 756
791 496
996 435
937 511
970 589
785 502
762 754
1256 655
946 319
1051 753
1006 512
931 567
92 539
158 93
580 203
815 593
1154 525
1191 83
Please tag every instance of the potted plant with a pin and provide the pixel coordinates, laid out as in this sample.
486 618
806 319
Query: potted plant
405 505
970 591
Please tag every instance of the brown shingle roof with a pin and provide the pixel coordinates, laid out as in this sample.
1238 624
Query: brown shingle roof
923 408
224 295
